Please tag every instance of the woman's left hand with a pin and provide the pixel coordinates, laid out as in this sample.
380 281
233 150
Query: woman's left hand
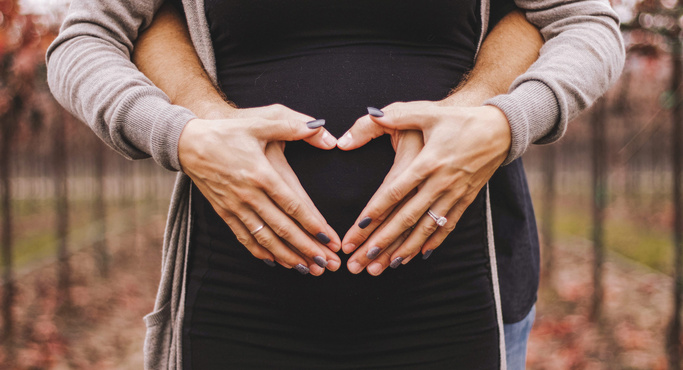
463 147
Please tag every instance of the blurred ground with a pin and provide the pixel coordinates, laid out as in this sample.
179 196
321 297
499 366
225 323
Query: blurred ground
631 335
104 330
103 327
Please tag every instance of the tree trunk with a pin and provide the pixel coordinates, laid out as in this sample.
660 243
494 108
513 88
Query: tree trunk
59 158
8 123
599 180
673 339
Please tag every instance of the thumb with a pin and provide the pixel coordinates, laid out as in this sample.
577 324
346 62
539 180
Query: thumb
360 134
404 116
285 129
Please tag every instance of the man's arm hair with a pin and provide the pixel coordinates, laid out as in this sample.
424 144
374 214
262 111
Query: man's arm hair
165 54
508 50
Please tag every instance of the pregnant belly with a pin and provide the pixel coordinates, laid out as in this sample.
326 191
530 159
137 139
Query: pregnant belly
338 85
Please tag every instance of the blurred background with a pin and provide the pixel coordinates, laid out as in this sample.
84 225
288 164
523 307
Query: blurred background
81 227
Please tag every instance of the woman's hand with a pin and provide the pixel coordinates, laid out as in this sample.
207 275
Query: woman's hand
462 149
238 164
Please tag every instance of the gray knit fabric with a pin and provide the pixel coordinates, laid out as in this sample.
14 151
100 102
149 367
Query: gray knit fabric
582 57
91 75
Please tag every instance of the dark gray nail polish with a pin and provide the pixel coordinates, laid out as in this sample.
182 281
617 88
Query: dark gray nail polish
396 262
375 112
427 254
269 262
320 261
315 123
364 222
323 238
373 253
303 270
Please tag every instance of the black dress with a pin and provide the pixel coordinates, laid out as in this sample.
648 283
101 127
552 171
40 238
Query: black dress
332 59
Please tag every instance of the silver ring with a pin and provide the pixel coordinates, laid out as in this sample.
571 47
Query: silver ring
441 221
257 229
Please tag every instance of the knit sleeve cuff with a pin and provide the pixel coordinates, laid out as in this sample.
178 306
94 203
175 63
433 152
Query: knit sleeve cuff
151 123
532 112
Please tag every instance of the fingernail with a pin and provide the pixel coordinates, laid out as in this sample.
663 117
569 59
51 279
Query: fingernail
303 270
364 222
345 140
269 262
315 123
323 238
354 267
427 254
328 139
375 112
373 253
396 262
375 269
320 261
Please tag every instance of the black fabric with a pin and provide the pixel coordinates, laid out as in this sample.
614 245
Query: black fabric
431 314
498 9
330 60
516 239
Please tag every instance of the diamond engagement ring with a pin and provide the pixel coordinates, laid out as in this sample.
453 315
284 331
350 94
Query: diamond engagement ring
439 220
257 229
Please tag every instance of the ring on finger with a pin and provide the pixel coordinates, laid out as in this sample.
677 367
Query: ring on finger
441 221
257 229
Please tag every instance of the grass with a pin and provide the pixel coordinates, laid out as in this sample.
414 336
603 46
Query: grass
627 232
34 230
645 242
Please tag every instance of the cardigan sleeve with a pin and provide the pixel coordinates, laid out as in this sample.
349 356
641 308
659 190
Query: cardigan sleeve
582 57
91 74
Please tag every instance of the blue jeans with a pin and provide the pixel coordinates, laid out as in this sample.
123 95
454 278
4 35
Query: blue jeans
516 337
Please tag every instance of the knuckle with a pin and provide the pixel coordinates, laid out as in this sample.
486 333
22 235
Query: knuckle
243 239
409 219
449 227
266 242
430 228
283 231
293 208
395 194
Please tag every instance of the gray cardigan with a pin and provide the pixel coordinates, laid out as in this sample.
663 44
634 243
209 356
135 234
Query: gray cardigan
91 75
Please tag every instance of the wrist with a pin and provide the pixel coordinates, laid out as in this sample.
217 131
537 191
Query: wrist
188 140
498 126
214 109
469 95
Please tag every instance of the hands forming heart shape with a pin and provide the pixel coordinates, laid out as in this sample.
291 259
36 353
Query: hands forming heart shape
445 154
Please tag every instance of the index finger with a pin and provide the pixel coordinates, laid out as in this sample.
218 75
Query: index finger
293 205
381 202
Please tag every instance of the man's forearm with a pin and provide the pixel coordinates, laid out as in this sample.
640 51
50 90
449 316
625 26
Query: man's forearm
507 52
165 54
